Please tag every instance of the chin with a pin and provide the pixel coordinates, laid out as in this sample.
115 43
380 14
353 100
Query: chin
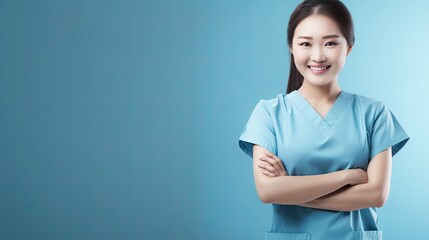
320 82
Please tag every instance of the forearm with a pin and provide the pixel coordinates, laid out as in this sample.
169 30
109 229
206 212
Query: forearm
303 189
349 198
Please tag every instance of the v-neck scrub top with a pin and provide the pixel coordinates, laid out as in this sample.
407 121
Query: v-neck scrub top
355 129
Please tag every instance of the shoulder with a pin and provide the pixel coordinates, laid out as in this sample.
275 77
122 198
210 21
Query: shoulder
369 105
279 102
365 100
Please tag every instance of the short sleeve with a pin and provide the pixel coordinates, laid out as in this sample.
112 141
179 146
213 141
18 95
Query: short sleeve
259 130
386 132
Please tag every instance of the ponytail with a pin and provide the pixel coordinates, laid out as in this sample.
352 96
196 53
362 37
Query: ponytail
295 77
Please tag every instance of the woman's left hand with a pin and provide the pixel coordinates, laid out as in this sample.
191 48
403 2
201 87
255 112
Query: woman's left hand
272 165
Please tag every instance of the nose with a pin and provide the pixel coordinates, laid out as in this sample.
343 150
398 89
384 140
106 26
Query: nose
317 55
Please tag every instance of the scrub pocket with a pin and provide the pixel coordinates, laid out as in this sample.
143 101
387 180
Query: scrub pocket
287 236
367 235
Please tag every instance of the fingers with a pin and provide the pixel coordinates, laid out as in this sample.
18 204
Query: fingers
278 161
270 174
275 162
269 165
268 168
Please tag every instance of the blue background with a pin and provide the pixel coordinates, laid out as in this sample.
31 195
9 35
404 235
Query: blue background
120 119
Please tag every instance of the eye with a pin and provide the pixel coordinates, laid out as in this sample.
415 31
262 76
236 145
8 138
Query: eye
331 44
305 44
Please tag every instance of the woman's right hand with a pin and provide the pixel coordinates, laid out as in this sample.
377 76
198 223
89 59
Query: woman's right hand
356 176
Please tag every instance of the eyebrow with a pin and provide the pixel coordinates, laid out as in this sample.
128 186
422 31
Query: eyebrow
324 37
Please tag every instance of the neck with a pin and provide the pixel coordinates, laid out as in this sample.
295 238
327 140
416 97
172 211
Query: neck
320 94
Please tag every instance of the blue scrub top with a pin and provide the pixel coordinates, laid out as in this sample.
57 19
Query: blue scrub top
355 129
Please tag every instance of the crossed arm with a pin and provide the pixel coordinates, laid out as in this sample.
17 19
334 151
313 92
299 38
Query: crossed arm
344 190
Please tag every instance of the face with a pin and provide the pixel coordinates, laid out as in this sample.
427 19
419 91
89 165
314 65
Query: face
319 49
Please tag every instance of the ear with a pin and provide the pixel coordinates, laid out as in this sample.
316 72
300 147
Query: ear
349 50
291 50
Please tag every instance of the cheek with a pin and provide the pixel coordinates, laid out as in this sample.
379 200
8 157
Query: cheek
340 58
340 55
301 64
300 58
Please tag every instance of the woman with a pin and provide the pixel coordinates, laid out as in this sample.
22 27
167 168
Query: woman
322 156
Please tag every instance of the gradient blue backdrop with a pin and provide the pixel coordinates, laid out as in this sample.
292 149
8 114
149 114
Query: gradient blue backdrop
120 119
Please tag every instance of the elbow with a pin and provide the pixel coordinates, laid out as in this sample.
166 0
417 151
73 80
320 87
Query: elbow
380 201
380 198
263 191
267 197
268 193
264 196
264 199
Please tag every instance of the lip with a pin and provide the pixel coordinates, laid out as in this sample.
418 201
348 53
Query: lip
319 66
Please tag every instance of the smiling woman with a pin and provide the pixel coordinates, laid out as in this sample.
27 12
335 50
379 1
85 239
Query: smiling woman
319 57
322 156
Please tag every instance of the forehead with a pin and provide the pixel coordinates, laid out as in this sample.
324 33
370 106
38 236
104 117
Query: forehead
316 26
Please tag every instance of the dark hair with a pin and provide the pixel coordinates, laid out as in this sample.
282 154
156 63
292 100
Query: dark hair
331 8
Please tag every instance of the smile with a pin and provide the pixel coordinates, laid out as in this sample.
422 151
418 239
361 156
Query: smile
319 69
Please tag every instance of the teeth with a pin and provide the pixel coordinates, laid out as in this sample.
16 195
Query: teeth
319 68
